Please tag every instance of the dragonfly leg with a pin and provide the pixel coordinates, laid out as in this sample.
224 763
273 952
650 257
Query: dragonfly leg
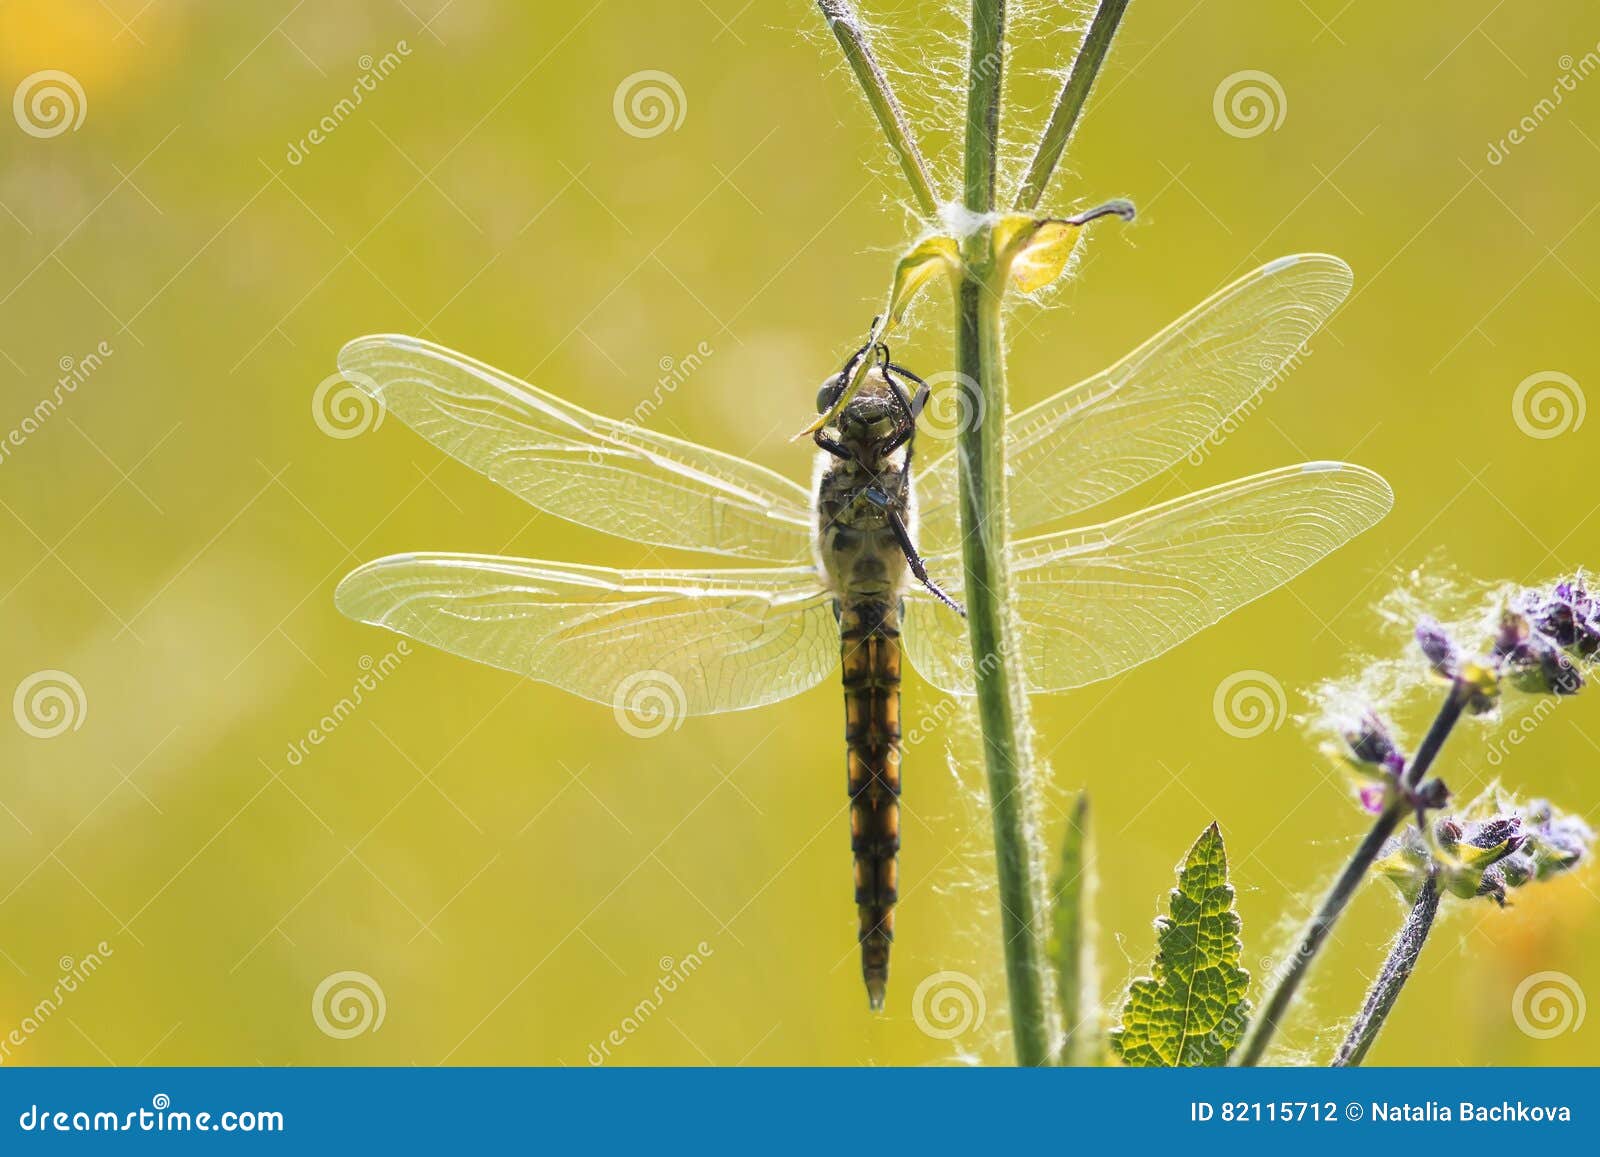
901 437
877 349
837 449
914 560
843 376
910 406
921 399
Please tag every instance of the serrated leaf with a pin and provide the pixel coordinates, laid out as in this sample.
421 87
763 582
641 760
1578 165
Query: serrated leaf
1192 1010
1071 947
925 261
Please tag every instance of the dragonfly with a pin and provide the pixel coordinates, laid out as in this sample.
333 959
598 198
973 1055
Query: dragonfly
865 564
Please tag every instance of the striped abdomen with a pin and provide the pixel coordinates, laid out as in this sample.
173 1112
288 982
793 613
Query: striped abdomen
870 644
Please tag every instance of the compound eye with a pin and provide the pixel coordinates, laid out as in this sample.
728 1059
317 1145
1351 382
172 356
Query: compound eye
828 394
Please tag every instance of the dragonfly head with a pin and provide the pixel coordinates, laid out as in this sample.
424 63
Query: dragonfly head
873 418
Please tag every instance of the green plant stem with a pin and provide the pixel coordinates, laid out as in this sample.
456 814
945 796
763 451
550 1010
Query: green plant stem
1002 706
1392 978
985 68
1069 104
846 25
1266 1022
1077 1004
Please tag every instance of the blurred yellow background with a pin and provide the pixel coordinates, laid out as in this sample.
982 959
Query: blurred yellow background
509 868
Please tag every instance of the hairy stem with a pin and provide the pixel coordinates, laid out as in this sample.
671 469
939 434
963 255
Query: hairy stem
1443 723
1077 1001
846 25
1265 1022
1002 706
1287 983
1069 104
985 67
1396 971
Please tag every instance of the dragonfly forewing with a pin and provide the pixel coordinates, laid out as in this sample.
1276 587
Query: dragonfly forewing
1128 423
604 473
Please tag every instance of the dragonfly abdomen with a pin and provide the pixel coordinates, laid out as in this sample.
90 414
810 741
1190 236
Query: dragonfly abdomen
870 649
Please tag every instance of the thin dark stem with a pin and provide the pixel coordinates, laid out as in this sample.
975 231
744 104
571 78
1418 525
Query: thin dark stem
1069 104
846 25
1449 715
1287 983
1396 971
1316 931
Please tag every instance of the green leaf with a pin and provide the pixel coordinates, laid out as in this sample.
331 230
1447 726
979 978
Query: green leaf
1192 1011
927 259
1035 252
1071 947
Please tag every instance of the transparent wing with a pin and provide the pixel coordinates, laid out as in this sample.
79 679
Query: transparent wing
602 473
1128 423
1097 601
678 642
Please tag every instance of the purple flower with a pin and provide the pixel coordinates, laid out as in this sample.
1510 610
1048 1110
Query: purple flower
1437 648
1541 667
1559 842
1490 857
1369 742
1567 617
